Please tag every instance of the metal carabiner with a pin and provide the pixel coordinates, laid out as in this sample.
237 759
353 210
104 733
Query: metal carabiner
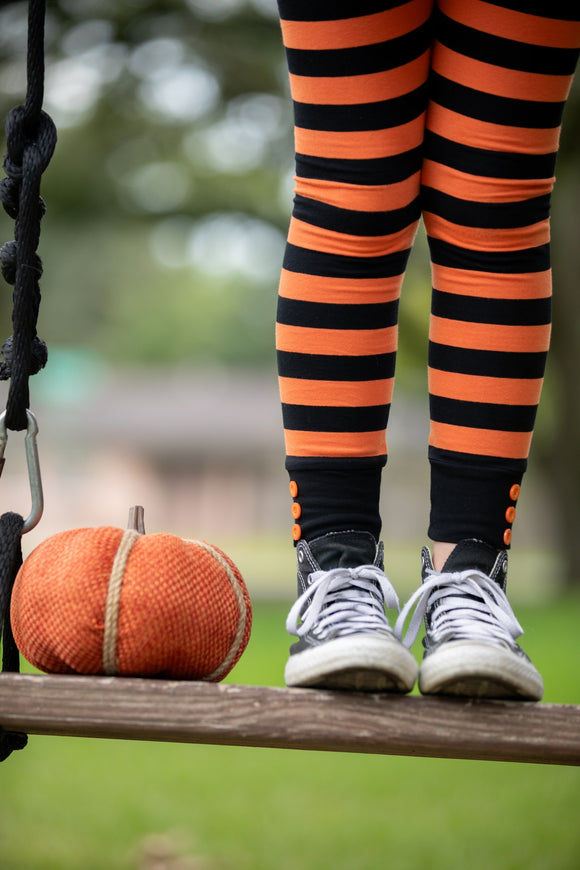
33 464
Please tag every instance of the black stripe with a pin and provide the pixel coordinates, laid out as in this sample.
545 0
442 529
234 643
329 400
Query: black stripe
310 262
338 463
356 223
322 367
507 312
559 9
487 363
494 109
482 415
360 60
320 315
507 53
381 170
535 259
362 116
314 418
319 10
488 215
489 164
482 465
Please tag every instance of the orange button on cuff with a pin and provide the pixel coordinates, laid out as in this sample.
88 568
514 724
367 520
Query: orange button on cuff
507 537
296 532
296 510
510 514
515 491
293 488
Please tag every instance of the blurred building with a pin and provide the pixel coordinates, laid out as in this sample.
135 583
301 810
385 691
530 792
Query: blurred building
203 452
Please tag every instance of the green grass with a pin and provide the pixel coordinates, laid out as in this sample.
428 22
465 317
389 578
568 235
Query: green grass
101 805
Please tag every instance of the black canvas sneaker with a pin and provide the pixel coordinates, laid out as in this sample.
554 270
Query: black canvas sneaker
345 640
470 628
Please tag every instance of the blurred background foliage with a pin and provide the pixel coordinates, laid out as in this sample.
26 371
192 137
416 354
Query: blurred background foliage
168 193
170 190
169 197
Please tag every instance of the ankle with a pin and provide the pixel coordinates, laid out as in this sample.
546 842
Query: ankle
441 552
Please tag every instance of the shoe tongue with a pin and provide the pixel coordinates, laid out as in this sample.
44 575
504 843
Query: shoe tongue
471 553
344 550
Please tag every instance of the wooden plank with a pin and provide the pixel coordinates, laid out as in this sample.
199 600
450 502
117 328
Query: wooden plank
139 709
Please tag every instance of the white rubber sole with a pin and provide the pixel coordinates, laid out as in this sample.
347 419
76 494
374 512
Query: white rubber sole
477 670
359 663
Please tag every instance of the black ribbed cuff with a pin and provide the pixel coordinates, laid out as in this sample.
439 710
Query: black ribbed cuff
335 500
473 497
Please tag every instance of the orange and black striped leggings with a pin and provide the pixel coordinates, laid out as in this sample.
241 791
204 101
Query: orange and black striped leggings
449 110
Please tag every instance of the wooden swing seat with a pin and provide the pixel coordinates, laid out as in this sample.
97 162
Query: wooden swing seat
259 716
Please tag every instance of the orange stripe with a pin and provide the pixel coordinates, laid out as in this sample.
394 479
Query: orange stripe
342 342
357 145
360 197
340 291
481 189
493 285
356 31
337 394
486 238
523 27
490 336
315 238
485 442
476 388
356 89
502 82
491 137
300 443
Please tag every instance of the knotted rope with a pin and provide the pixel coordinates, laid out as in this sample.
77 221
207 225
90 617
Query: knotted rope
30 143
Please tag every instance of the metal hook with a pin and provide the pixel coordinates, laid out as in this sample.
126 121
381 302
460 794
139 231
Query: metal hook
33 464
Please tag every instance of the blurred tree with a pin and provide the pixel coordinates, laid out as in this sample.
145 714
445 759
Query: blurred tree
169 195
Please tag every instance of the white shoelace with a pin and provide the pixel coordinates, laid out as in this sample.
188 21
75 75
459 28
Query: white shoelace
344 601
486 615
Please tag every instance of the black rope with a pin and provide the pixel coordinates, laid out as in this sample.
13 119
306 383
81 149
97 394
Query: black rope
30 143
10 562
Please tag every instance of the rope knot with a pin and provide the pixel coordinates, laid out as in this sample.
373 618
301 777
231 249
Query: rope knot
8 258
9 262
21 141
11 741
38 357
10 196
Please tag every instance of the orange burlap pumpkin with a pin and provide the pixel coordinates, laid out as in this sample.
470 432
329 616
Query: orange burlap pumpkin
108 601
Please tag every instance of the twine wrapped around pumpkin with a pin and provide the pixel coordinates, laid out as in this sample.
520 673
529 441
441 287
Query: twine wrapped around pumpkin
113 602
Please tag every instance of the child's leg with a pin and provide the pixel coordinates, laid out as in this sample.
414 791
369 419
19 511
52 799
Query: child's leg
358 83
499 84
359 88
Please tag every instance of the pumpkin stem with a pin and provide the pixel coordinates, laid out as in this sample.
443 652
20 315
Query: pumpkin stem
137 519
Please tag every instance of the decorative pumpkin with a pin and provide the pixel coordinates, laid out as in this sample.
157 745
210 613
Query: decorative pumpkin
108 601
